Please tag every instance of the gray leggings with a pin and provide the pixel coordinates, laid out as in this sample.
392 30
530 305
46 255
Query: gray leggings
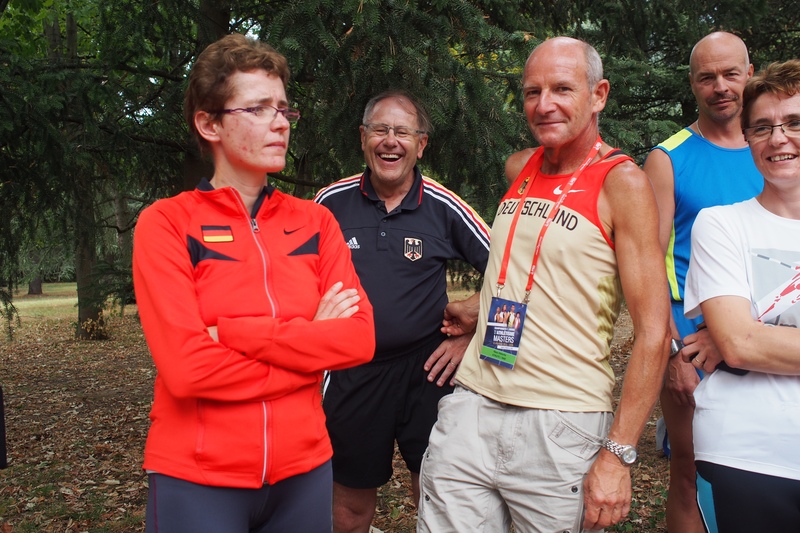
299 503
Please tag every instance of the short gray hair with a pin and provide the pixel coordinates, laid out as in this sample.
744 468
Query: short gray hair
423 120
594 65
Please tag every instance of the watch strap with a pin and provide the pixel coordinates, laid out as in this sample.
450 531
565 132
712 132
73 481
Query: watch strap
618 450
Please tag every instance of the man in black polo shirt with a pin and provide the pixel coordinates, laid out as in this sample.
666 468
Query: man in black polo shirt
401 228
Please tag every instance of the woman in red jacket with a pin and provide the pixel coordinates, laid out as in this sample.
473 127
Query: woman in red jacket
245 295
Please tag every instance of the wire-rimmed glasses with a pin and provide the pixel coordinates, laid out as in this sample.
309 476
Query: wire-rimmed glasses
266 112
401 132
762 132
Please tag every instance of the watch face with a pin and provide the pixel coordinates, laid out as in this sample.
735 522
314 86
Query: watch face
629 456
675 347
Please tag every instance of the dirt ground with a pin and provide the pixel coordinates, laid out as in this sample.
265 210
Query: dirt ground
76 416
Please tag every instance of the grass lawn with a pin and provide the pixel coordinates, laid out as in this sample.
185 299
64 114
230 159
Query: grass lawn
59 300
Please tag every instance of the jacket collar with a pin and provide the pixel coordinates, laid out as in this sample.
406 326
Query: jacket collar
411 200
266 193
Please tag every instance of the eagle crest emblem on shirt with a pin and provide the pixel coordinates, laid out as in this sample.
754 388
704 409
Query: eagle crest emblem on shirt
412 248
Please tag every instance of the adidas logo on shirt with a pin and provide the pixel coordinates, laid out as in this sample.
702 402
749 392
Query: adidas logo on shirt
353 244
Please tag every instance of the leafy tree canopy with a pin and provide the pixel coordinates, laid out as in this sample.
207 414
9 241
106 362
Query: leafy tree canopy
91 128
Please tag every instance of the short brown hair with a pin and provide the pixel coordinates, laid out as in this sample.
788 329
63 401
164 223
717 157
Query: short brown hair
775 78
209 88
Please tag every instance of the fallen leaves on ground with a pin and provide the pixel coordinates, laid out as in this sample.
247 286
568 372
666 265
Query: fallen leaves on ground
76 421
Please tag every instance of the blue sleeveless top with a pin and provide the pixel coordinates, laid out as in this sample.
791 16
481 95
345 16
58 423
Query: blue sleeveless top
705 175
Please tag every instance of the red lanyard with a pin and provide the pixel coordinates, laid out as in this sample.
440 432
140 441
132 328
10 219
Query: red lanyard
501 279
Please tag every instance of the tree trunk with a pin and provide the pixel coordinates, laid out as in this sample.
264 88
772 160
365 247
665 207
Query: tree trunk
214 21
90 310
214 24
90 302
300 188
52 32
3 456
35 259
72 37
35 286
122 214
194 168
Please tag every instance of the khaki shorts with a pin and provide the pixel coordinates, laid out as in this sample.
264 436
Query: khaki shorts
489 464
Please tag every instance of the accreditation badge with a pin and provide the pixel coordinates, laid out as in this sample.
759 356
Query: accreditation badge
503 332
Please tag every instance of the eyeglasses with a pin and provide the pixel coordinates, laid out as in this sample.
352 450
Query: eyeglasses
764 131
265 113
401 132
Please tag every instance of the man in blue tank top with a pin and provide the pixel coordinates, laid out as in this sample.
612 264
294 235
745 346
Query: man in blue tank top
707 163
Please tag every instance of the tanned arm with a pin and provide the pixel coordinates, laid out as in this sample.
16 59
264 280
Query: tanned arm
628 209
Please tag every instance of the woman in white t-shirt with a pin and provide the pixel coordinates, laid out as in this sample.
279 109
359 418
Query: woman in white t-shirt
744 277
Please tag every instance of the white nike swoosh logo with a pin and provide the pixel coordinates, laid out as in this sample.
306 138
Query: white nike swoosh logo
558 190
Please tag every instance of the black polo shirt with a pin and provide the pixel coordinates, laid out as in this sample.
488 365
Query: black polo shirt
401 257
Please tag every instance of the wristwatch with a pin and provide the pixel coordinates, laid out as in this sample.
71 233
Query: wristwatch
675 347
627 454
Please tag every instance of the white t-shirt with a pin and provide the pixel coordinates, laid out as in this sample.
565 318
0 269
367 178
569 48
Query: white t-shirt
750 422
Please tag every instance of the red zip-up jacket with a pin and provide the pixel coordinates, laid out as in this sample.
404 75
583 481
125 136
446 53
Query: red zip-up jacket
246 410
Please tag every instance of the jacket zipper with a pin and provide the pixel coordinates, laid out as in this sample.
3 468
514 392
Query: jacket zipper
254 230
